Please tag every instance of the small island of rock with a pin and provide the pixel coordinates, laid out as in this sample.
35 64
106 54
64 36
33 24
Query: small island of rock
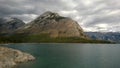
10 57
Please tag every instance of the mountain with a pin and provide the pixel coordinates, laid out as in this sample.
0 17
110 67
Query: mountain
47 28
9 24
54 25
109 36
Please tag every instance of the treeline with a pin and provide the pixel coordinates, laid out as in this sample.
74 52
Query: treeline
44 38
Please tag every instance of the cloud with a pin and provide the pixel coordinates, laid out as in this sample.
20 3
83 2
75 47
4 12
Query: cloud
92 15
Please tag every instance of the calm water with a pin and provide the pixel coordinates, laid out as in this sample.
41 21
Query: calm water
71 55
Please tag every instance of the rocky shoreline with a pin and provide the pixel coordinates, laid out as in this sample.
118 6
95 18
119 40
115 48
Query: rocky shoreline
10 57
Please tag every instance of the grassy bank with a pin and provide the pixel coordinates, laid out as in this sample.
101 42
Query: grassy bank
44 38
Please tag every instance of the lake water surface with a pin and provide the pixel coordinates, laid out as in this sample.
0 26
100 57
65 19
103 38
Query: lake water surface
60 55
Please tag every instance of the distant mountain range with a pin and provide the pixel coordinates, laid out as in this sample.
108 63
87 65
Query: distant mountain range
109 36
48 27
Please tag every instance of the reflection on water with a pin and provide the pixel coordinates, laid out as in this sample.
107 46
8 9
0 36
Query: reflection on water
71 55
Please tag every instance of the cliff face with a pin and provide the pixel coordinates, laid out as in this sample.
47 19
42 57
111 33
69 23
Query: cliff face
10 57
9 24
54 25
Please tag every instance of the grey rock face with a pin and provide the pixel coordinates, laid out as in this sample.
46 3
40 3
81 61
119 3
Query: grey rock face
9 24
54 25
10 57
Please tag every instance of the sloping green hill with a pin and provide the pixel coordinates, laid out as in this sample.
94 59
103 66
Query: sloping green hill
44 38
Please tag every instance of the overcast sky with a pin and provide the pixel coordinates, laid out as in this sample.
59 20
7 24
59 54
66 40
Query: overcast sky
92 15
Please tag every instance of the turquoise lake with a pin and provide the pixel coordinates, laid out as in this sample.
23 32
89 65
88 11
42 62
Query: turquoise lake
70 55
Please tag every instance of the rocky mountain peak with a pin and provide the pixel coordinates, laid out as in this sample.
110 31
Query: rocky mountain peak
49 15
9 24
54 25
8 19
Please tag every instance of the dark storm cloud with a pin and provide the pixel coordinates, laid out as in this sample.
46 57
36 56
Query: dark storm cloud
92 15
11 7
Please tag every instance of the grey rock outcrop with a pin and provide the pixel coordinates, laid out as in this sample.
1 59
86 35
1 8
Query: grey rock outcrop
10 57
9 24
55 25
